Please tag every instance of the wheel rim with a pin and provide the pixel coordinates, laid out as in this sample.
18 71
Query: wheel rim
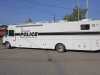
7 45
60 48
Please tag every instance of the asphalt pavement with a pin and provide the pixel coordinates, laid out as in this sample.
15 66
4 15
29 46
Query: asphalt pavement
20 61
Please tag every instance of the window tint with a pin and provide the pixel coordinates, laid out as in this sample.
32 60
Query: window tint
85 27
11 32
6 33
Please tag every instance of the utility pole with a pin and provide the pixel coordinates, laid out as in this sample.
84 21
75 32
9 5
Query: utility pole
78 10
87 9
66 16
54 17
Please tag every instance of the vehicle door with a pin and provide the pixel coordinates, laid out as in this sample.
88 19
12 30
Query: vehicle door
11 37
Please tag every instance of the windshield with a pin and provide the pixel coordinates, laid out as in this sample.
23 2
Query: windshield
6 33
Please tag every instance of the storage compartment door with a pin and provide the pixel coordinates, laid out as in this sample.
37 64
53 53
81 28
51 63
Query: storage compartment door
77 46
86 46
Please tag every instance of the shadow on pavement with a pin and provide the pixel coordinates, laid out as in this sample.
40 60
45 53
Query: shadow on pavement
98 51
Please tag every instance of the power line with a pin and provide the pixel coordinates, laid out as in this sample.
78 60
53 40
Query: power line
43 4
46 4
83 4
32 11
32 6
17 6
67 3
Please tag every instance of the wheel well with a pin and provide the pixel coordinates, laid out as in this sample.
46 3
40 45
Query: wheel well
9 47
59 43
8 42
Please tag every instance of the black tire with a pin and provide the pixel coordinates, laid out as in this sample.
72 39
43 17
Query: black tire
8 46
60 48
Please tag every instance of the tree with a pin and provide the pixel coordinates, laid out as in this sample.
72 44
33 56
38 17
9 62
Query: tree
74 15
28 21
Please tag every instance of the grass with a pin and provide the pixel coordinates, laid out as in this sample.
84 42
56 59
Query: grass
0 41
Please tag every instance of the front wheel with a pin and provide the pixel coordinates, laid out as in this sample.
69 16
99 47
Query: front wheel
60 48
8 46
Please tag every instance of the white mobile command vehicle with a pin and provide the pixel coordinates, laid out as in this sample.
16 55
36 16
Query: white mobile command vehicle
62 35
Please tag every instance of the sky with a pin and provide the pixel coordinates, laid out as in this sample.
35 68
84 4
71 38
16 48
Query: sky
19 11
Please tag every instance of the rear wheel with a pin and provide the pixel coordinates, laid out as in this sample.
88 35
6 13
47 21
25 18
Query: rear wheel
60 48
8 46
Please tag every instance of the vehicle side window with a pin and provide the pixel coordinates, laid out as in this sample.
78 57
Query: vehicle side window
85 27
6 33
11 32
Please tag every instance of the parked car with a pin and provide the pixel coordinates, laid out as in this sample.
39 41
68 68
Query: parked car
2 33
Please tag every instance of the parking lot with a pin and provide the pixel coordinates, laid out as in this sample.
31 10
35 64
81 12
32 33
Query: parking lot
20 61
